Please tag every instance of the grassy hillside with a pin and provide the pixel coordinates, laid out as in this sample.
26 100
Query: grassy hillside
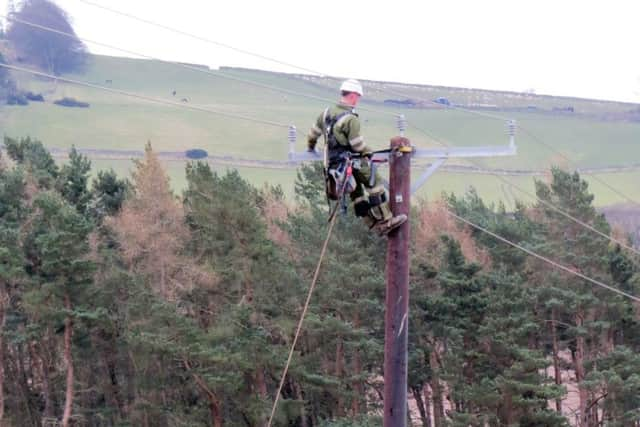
118 122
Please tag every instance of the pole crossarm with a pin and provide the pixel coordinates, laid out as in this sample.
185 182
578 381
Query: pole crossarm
423 153
458 152
439 154
426 174
419 153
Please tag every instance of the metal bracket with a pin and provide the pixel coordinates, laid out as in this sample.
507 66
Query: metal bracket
439 154
426 174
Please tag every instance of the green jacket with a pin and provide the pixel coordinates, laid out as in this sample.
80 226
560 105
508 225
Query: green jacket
346 130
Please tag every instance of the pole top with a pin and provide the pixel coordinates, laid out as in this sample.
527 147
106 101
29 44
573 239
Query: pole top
401 143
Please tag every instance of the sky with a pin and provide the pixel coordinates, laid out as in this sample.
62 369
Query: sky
582 48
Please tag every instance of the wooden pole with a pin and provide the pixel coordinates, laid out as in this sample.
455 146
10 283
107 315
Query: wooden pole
397 299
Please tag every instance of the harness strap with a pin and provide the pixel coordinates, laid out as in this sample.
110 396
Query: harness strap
330 123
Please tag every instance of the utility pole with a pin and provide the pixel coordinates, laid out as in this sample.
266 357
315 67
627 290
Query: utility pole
397 299
397 266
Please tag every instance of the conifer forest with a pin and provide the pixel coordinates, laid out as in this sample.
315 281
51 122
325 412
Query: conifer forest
124 304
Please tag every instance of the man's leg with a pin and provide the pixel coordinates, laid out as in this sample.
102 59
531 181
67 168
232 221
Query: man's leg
373 205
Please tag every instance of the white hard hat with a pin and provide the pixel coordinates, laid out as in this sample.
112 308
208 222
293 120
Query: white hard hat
351 85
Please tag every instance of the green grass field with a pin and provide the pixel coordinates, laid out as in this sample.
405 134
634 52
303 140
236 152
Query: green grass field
118 122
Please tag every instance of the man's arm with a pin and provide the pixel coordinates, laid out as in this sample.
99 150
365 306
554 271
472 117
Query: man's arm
314 134
356 140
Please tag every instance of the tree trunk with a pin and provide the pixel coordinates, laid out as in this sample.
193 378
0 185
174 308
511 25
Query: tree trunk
40 363
339 368
131 390
556 358
2 322
417 395
261 387
427 402
163 287
303 411
215 406
216 413
580 371
506 408
261 383
21 373
112 385
68 325
436 389
358 386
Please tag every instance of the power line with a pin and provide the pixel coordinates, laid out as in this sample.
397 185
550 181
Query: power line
282 90
544 202
157 100
534 137
218 74
543 258
145 97
186 66
595 177
304 95
264 57
203 39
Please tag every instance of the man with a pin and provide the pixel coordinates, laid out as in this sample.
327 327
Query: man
340 126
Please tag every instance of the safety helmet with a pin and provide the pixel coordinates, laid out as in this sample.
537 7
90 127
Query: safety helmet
351 85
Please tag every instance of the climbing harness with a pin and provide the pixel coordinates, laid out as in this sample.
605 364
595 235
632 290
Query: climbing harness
340 182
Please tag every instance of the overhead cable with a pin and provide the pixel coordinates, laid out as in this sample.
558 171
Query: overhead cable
250 82
543 258
145 97
218 74
594 176
169 102
196 37
263 57
540 200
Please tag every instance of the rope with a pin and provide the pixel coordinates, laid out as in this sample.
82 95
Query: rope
304 312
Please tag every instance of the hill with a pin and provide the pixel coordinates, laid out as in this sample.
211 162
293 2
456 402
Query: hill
592 133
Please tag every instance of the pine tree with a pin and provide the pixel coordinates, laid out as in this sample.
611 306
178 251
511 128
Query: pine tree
151 230
108 194
73 179
225 214
12 272
476 328
32 155
57 248
593 313
340 355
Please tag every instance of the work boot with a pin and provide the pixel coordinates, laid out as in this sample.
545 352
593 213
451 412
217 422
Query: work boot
385 227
